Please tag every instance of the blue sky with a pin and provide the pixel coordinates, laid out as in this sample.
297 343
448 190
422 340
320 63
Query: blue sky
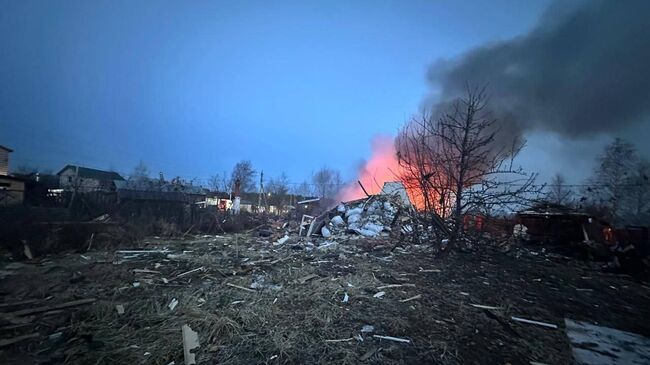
190 88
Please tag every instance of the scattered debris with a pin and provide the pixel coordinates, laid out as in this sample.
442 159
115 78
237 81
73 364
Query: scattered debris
596 345
430 270
394 286
172 304
190 272
281 241
328 246
543 324
27 251
375 265
485 307
411 298
390 338
190 344
260 283
240 287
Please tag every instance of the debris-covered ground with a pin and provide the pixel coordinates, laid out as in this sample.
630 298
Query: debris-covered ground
351 300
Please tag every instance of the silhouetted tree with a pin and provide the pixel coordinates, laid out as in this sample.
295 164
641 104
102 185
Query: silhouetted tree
327 182
619 185
464 160
243 171
140 172
558 192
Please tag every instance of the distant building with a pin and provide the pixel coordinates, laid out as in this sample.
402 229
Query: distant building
12 189
156 190
84 179
4 160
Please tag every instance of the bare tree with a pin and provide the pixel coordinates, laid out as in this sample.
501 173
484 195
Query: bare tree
304 189
140 172
619 185
638 199
558 192
462 162
327 182
244 173
220 182
278 190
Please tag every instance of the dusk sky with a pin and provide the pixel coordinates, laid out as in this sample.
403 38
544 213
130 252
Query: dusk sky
190 88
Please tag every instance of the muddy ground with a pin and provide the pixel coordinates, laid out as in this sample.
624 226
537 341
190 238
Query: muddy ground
254 302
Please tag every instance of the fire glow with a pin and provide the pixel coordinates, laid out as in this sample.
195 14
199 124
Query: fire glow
382 167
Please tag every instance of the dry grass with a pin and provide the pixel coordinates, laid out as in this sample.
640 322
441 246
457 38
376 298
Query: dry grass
287 320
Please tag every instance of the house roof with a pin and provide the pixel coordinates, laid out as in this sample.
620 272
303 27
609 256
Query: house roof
93 173
6 148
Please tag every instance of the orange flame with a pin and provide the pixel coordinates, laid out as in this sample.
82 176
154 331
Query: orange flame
382 167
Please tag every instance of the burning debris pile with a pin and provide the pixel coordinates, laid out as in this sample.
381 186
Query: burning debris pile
367 217
375 216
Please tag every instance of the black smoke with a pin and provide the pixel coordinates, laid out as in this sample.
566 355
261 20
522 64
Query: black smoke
583 70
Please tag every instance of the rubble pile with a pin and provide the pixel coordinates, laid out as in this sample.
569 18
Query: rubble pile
371 217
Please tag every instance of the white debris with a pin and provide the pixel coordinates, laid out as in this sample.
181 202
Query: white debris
354 218
346 298
119 308
172 304
370 229
260 283
379 295
340 208
325 232
190 344
367 328
136 284
337 221
391 338
603 342
355 211
520 231
328 246
543 324
388 207
281 241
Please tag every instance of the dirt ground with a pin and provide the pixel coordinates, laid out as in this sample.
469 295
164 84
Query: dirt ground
255 302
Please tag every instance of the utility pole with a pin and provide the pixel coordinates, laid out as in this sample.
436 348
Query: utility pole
259 197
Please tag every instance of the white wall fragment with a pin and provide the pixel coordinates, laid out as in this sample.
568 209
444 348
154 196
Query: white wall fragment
190 344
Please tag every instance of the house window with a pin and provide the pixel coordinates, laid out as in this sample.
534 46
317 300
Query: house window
69 179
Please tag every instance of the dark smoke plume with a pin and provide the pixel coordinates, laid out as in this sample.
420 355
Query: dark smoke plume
582 70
